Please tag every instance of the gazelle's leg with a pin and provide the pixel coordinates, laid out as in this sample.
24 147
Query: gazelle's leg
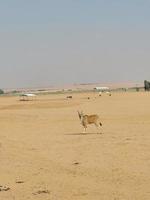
84 131
98 127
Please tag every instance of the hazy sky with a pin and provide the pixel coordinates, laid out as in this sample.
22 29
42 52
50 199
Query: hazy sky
48 42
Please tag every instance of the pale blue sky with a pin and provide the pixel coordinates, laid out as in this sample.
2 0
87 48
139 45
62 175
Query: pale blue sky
44 42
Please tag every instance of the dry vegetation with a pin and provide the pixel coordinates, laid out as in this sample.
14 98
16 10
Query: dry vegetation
45 156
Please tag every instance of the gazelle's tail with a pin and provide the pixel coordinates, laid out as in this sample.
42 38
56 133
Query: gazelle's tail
100 124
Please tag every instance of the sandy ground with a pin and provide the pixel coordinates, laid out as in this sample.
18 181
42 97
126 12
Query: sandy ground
45 156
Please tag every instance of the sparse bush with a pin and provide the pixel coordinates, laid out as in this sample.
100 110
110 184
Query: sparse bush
14 92
137 89
1 91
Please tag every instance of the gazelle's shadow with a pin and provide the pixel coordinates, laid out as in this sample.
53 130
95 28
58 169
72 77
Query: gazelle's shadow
83 134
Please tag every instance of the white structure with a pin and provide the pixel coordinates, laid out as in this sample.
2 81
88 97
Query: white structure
27 97
102 88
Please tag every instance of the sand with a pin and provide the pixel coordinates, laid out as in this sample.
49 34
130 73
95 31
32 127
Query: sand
45 156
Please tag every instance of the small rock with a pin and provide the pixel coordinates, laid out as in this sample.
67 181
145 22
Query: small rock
4 188
76 163
41 192
19 181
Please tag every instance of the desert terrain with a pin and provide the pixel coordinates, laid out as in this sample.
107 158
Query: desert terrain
45 156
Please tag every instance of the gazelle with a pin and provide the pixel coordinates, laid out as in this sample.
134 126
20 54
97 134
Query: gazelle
89 119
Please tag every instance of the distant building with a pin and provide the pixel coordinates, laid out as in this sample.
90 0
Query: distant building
102 89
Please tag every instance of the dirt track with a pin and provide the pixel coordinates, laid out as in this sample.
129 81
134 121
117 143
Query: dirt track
45 156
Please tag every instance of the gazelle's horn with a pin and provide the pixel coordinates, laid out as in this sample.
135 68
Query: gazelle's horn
79 114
